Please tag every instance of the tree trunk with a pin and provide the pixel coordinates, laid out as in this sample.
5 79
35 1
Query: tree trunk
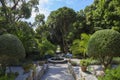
107 62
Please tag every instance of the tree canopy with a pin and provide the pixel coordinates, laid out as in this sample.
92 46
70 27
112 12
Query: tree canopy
60 24
104 45
12 11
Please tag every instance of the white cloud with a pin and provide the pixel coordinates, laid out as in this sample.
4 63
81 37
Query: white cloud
44 11
69 2
44 7
43 1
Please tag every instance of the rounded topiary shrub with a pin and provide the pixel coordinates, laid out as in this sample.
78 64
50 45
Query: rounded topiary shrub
11 49
104 45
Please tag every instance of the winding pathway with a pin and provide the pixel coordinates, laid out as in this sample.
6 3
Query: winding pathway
57 72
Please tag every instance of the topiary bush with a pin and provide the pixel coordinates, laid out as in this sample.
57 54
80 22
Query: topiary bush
104 45
11 49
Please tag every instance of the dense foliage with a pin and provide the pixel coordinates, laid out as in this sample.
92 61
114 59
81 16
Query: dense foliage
112 74
63 26
104 45
46 48
11 49
79 46
60 24
12 11
27 35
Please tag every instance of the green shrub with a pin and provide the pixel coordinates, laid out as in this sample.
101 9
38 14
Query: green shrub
10 76
95 62
50 52
41 63
27 67
46 47
116 60
73 63
113 74
85 62
11 49
104 45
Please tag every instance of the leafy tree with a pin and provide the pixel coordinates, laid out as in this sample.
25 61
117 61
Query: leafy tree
26 34
42 29
60 24
46 47
82 25
11 49
12 11
79 26
39 19
104 45
104 14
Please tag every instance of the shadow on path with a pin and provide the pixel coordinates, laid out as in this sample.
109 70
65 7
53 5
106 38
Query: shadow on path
57 72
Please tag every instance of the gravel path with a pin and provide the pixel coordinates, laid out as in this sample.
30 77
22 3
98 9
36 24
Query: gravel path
57 72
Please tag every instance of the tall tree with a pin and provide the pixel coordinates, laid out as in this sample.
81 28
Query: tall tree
81 24
41 28
105 14
60 24
39 19
15 10
27 35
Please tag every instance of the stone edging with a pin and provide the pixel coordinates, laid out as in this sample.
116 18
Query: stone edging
71 70
40 73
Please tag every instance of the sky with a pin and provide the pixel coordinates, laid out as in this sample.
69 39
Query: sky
46 6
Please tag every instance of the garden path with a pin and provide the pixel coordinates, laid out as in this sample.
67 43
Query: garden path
57 72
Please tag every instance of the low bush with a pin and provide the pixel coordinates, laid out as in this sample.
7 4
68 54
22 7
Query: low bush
27 67
85 62
10 76
41 63
116 60
73 63
95 62
113 74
